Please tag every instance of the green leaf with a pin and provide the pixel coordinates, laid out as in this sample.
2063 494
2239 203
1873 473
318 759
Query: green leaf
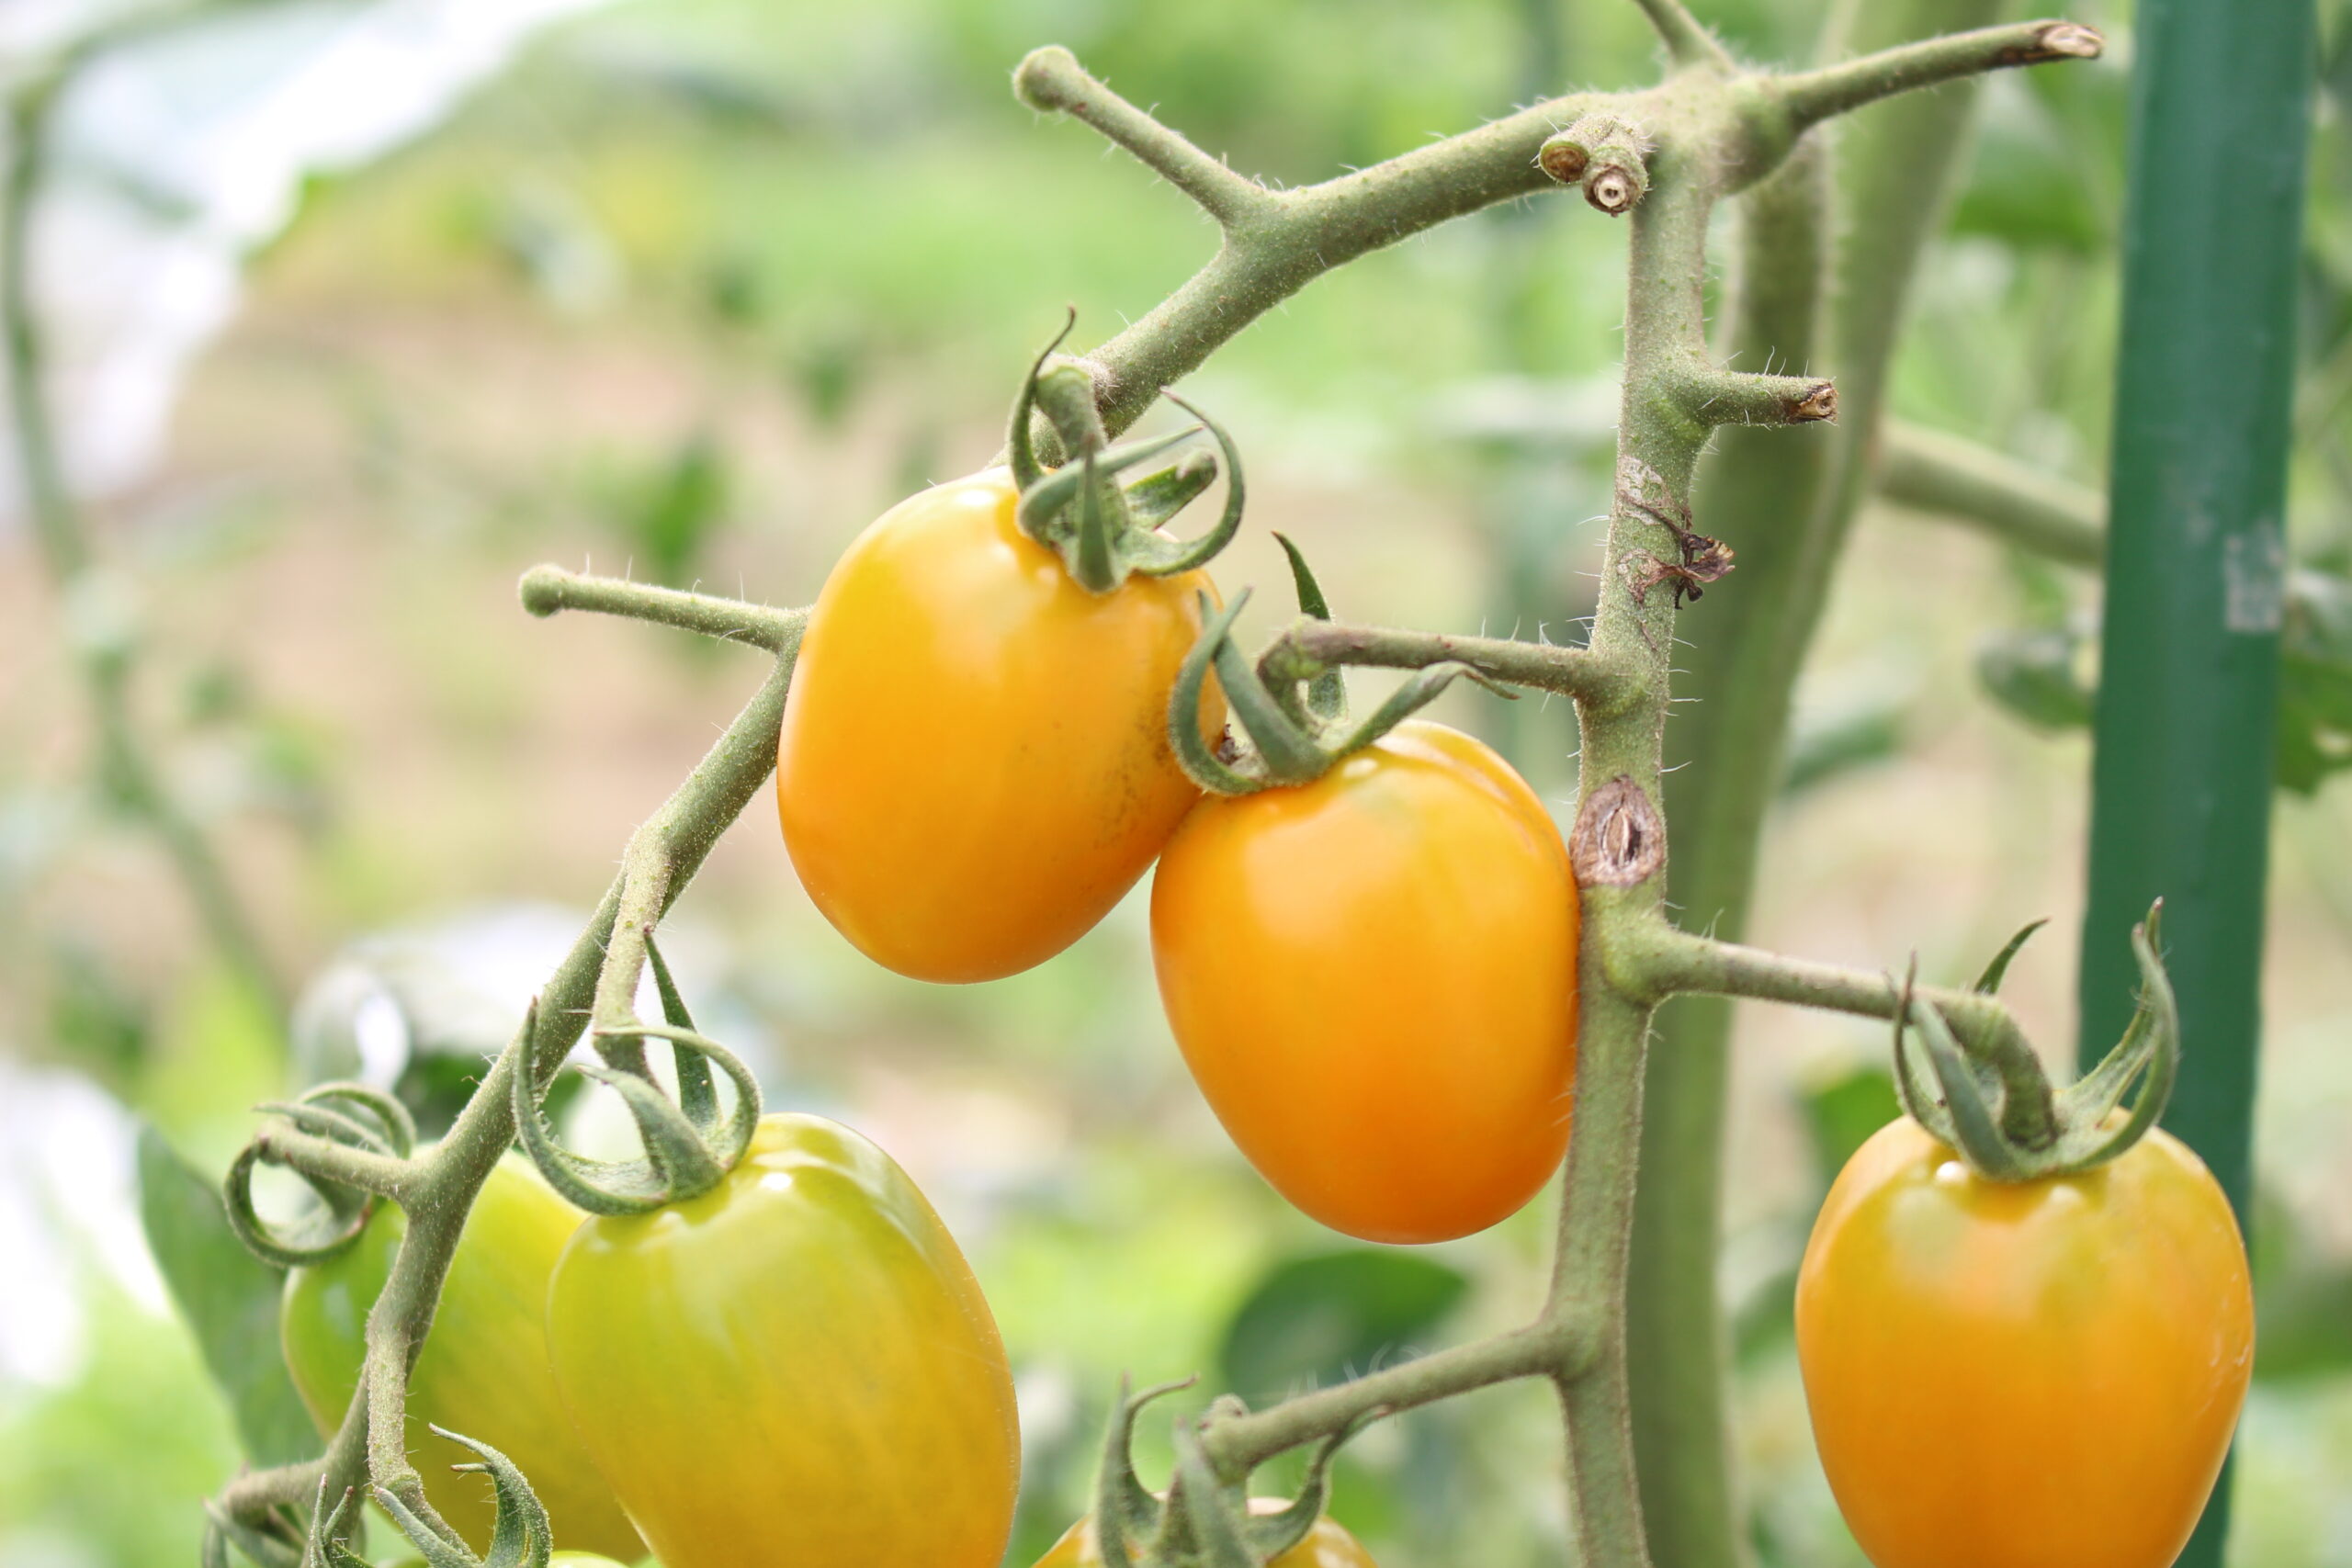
1842 1112
2032 674
228 1299
2315 683
1819 752
683 506
1314 1321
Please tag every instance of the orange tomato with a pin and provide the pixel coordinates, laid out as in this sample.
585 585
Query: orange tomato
1373 979
1326 1546
2043 1374
975 763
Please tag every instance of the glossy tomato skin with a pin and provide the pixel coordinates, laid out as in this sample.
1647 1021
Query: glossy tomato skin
1373 979
2043 1374
974 765
1328 1545
483 1370
796 1370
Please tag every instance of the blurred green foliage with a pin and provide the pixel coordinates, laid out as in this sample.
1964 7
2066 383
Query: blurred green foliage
229 1300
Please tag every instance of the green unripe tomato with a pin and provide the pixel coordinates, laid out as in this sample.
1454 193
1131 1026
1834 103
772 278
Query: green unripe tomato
483 1370
795 1370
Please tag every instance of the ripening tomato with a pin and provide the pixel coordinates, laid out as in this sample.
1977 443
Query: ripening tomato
974 765
483 1370
795 1370
1374 980
2039 1374
1328 1545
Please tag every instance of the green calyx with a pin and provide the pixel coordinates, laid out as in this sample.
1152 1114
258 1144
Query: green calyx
1203 1521
1991 1101
347 1114
690 1145
1291 705
1106 530
521 1536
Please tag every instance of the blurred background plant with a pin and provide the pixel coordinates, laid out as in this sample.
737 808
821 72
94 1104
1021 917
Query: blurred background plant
354 308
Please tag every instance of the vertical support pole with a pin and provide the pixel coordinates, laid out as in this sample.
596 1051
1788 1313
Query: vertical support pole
2181 775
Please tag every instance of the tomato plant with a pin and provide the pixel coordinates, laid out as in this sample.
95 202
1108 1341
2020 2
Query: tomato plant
796 1366
2007 1375
484 1369
1328 1544
1386 970
1373 979
974 766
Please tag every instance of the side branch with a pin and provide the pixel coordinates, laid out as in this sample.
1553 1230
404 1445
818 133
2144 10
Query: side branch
1051 81
1731 396
1667 962
1812 96
548 589
1308 647
1309 231
1238 1444
1928 470
387 1175
1687 40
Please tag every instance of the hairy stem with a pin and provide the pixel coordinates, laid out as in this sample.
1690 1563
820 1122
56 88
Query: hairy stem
1050 81
1687 40
1568 672
1838 89
1757 490
1236 1444
545 590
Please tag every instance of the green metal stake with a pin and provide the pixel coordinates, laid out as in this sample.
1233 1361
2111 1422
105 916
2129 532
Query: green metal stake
2181 776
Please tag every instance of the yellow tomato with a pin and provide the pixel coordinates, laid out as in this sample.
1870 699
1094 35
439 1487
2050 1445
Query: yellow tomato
483 1370
974 765
795 1370
2039 1374
1373 978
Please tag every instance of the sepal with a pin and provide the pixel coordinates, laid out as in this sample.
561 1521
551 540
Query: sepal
1967 1094
1294 739
1125 1513
689 1146
520 1536
1106 530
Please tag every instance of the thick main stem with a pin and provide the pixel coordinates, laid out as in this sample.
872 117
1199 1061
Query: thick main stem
1619 764
1826 295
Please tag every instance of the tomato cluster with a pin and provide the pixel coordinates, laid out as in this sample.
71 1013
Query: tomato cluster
1371 976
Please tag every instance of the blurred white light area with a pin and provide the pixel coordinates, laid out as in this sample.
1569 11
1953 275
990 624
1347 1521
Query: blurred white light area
69 1201
177 155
